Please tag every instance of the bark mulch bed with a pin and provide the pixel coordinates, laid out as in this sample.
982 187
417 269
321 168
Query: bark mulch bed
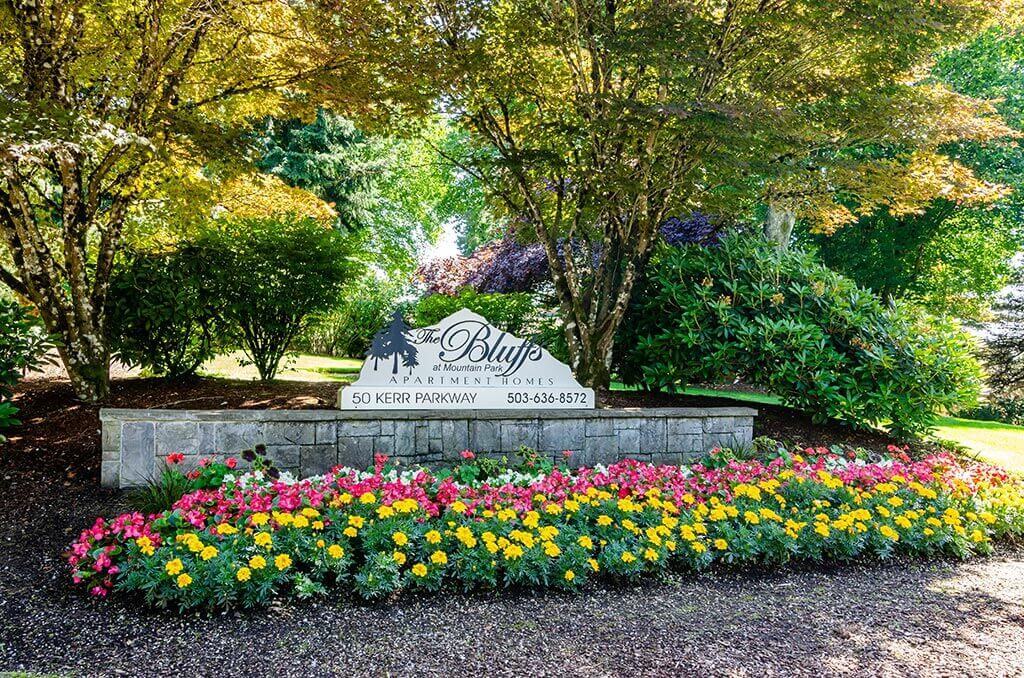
904 618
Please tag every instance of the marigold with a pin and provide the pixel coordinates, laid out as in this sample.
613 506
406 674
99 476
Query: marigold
283 561
183 580
257 562
419 569
335 551
243 574
173 567
439 558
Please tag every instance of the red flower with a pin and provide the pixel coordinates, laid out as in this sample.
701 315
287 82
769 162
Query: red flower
175 458
567 453
231 462
467 454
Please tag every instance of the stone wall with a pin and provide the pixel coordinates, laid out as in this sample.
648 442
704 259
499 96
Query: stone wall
309 442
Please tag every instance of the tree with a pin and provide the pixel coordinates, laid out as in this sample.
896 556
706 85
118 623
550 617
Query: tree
392 342
593 120
105 102
1004 342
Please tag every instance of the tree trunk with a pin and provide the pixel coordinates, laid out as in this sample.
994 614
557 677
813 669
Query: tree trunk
89 370
778 226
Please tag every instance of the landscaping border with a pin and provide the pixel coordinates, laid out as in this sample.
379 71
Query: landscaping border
309 442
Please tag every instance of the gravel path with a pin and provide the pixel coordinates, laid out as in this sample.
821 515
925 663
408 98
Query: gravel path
944 618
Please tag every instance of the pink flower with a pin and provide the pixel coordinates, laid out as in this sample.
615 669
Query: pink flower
175 458
231 462
467 454
567 453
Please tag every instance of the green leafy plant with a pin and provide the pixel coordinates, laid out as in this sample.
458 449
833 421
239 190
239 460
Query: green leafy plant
783 321
347 328
161 313
23 345
269 275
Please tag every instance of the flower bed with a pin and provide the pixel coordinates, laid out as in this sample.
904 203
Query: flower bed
254 537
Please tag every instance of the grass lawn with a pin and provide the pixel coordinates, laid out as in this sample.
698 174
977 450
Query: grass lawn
998 443
301 367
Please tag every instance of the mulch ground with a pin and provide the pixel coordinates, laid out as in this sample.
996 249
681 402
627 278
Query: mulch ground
907 618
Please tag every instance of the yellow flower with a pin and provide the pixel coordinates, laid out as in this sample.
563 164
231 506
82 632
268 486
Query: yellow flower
184 580
318 524
721 544
398 557
173 567
593 564
651 555
604 520
350 531
243 574
145 545
257 562
433 537
320 543
263 539
513 551
586 542
895 501
259 519
822 529
335 551
751 518
458 507
225 529
310 512
356 521
208 553
385 512
282 561
628 557
367 497
551 549
569 575
698 547
195 545
300 521
977 536
889 533
419 569
439 558
400 538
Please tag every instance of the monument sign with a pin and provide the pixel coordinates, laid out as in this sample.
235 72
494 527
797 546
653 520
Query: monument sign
461 363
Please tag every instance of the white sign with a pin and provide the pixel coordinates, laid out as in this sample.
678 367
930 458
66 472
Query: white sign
462 363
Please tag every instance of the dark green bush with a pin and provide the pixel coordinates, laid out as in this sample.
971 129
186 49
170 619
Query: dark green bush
347 329
23 343
1005 409
513 312
785 322
268 275
161 315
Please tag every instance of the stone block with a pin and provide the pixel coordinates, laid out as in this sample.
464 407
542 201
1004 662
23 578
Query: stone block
484 436
284 455
138 453
233 437
518 433
454 437
684 444
597 450
316 460
326 433
110 473
405 439
289 433
112 436
628 441
599 427
356 453
654 436
177 436
559 435
358 429
684 427
667 458
725 439
719 424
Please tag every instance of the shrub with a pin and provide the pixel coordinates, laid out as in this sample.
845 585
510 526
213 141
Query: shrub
161 314
269 275
787 323
1005 409
512 312
347 329
380 532
23 343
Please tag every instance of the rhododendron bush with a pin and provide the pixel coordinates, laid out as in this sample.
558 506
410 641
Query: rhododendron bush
254 538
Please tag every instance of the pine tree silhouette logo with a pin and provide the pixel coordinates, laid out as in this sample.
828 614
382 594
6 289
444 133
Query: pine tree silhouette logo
392 342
